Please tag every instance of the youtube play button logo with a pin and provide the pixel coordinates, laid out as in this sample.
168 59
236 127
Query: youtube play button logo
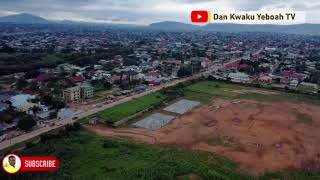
199 16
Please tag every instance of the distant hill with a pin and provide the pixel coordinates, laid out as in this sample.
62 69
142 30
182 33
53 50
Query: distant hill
173 26
24 19
313 29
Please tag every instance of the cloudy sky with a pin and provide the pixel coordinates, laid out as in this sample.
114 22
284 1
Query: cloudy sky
148 11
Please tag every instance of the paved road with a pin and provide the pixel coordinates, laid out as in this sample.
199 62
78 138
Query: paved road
37 132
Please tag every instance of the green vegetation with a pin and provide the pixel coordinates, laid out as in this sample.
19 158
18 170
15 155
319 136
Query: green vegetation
205 91
305 118
23 62
130 108
84 155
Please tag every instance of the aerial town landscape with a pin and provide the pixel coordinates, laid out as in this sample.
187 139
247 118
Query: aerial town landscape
133 102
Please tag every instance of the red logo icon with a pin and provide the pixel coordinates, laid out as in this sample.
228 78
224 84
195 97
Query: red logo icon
199 16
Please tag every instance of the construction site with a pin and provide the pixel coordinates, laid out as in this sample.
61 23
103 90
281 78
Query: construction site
260 136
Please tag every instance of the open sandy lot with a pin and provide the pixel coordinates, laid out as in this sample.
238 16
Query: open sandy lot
259 136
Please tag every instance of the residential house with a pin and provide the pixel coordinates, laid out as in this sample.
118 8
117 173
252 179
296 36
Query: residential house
132 75
117 79
19 100
77 79
290 75
42 78
294 83
238 77
308 87
232 66
265 79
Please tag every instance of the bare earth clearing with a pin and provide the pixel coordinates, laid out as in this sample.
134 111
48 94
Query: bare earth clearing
259 136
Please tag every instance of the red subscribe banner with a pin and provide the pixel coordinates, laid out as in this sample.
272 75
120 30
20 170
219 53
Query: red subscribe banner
39 163
13 163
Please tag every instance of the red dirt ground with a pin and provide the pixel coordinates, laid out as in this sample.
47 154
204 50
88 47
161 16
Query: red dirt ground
259 136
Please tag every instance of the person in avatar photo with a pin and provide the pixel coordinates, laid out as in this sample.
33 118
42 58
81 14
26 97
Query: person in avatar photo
10 164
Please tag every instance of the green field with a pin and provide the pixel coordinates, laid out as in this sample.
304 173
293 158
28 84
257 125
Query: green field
130 108
84 155
205 91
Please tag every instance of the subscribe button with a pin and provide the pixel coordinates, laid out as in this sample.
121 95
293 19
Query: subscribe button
200 16
12 163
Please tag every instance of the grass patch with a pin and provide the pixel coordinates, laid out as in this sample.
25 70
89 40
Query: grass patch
304 118
205 91
127 109
84 155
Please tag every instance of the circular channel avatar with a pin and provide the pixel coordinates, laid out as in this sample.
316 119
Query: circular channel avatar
11 163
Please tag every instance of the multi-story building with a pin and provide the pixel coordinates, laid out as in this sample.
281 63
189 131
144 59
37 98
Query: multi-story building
86 91
72 94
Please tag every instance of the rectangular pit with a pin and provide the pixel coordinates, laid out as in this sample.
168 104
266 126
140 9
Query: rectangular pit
182 106
155 121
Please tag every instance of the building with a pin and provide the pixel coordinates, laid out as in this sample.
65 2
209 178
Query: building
308 87
72 94
238 77
265 79
27 107
294 83
86 91
77 79
20 99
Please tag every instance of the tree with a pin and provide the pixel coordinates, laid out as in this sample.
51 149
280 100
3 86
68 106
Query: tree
31 74
35 110
21 83
107 85
184 71
6 117
53 115
47 100
58 104
26 123
318 66
121 77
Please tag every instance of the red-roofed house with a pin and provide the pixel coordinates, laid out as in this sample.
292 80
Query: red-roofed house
42 78
292 75
118 59
154 74
77 79
243 66
206 63
233 65
265 79
118 78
